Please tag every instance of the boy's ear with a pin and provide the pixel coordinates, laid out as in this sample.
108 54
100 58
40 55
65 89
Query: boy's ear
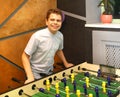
46 21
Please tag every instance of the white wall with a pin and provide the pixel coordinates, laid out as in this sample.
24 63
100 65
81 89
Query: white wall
92 11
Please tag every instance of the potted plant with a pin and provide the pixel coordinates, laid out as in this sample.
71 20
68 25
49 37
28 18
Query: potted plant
108 10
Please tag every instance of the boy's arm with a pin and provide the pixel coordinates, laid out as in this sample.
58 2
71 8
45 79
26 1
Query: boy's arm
62 57
27 67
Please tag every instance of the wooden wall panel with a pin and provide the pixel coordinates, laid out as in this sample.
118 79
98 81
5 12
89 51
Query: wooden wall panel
7 72
7 8
30 16
12 48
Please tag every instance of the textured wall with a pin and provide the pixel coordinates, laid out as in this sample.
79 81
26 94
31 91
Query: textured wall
18 20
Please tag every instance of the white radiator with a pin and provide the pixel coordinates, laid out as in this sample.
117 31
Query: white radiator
106 48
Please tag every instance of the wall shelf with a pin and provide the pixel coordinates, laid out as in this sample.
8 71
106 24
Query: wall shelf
101 25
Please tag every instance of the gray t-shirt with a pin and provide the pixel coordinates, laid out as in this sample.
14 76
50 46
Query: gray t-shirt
42 47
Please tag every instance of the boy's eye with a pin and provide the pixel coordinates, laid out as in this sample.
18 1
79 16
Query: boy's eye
52 19
58 20
55 20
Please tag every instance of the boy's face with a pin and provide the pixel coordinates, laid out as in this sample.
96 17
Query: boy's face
54 22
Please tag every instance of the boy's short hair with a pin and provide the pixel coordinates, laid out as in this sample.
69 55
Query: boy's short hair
56 11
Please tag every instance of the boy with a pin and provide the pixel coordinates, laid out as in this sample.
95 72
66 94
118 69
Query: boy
38 56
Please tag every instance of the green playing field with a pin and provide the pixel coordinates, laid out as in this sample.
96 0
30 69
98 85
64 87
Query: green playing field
80 80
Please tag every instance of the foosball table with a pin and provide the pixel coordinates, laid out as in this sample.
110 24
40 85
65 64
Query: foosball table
83 80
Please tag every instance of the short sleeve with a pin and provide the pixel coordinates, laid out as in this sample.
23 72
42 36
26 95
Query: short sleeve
32 45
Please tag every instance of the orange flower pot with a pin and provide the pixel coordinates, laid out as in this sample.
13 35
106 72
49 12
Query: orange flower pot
106 18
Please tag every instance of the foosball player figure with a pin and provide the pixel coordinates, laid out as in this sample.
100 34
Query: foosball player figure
104 86
85 88
78 93
97 91
90 95
57 95
86 74
64 81
74 85
57 88
72 77
109 93
42 90
108 80
48 85
99 73
67 91
87 82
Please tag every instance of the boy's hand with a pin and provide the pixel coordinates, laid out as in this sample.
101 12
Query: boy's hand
29 80
69 65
